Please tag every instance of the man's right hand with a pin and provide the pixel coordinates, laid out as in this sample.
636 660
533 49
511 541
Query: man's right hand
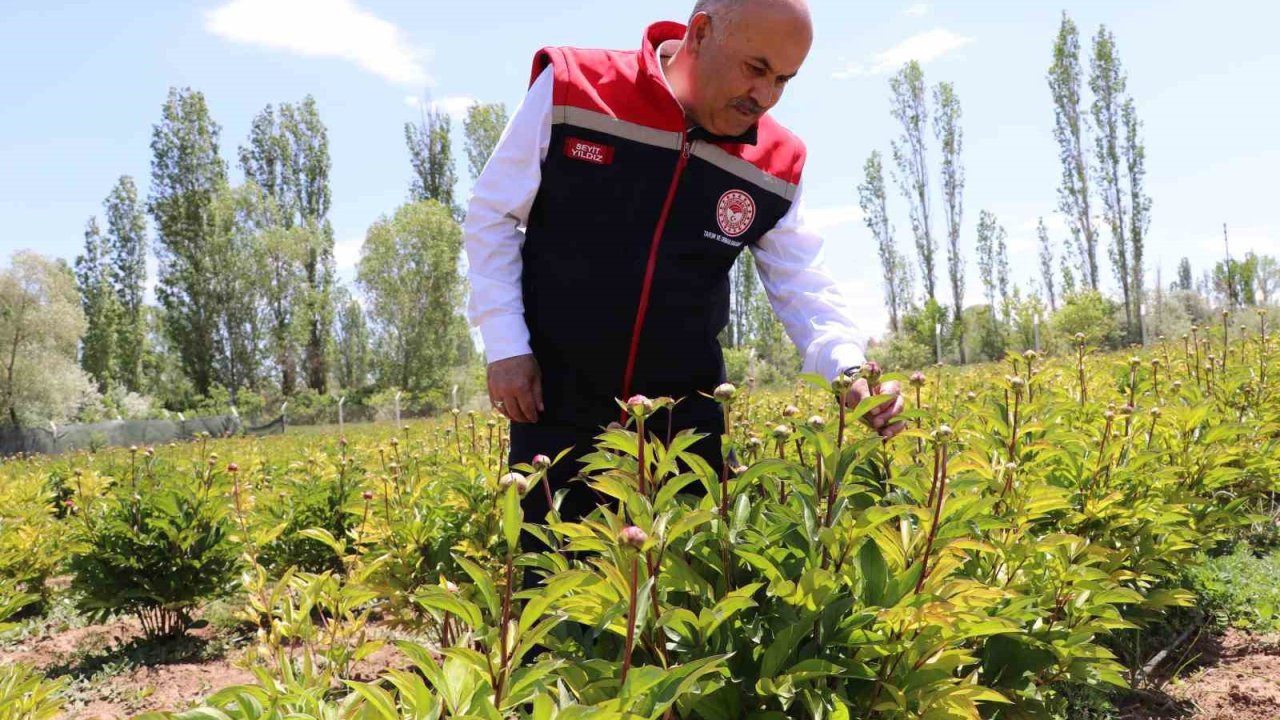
515 388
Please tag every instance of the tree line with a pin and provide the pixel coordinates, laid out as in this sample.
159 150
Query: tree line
1102 199
248 310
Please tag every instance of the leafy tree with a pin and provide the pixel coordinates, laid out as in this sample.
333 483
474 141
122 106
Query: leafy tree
1184 275
1107 81
1046 264
482 127
896 271
240 223
353 342
410 275
432 159
101 311
126 242
1268 279
41 322
950 137
186 175
910 157
1139 203
1069 127
1090 313
288 157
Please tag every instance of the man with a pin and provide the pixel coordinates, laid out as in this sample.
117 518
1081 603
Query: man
639 176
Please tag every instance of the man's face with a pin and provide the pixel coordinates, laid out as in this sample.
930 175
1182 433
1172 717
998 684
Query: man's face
742 64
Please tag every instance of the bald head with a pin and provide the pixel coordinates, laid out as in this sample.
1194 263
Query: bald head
729 9
736 59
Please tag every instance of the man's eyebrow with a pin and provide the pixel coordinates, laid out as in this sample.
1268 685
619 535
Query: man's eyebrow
764 61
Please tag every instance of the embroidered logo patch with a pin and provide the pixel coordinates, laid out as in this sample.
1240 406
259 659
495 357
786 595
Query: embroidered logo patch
588 151
735 212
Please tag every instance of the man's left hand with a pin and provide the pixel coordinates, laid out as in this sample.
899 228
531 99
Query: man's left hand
880 417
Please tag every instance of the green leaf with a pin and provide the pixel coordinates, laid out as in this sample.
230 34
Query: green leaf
512 518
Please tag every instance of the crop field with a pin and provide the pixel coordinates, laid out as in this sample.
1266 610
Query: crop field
1016 551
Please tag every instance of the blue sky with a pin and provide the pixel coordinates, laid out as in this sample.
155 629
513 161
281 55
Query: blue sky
82 84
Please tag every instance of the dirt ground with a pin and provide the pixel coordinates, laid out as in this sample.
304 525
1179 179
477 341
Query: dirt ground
1233 676
112 674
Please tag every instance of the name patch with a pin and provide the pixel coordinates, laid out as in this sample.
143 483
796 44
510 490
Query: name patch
587 151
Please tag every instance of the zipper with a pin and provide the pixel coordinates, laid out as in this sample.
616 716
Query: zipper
686 149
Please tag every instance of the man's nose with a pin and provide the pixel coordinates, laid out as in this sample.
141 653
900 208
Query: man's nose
764 92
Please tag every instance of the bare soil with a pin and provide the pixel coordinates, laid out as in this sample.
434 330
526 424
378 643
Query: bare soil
112 672
1232 676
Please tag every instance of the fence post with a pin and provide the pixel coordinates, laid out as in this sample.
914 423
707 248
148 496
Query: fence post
1036 326
341 400
284 417
397 410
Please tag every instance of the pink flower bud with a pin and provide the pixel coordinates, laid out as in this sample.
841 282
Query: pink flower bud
633 536
541 462
871 371
639 405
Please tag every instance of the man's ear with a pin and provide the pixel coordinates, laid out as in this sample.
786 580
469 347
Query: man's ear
698 32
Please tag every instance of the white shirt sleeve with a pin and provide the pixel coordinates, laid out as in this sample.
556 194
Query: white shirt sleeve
811 306
493 233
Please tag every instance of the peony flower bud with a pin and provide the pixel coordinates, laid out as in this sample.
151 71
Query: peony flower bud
233 468
725 391
871 371
817 422
541 462
917 379
367 494
790 411
633 537
639 406
509 479
841 383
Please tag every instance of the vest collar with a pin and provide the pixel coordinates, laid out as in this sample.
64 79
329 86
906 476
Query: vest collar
651 66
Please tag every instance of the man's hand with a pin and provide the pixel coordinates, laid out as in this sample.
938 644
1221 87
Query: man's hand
515 388
880 416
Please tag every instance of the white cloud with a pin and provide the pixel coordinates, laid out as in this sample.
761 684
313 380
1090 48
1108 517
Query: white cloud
455 106
346 253
322 28
923 48
825 218
917 9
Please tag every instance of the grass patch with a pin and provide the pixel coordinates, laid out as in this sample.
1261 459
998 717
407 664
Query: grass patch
1239 590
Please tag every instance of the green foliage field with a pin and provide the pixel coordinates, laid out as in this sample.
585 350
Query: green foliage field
976 566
